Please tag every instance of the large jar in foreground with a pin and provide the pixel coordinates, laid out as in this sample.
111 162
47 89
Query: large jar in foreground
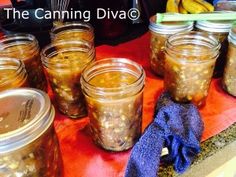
12 74
73 31
114 94
220 30
25 47
190 61
28 143
229 78
159 33
64 62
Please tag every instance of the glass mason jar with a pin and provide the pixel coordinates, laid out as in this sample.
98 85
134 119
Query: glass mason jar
190 61
220 30
12 74
114 94
229 78
25 47
64 62
159 33
28 143
73 31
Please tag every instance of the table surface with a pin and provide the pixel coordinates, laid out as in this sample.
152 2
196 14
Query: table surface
81 158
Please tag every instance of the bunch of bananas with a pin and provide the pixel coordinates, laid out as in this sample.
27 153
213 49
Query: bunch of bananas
188 6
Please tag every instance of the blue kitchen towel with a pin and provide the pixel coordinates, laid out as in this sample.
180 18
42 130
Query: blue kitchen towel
176 126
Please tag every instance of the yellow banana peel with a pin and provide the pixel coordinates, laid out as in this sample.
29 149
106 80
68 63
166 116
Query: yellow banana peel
172 6
182 10
207 5
193 7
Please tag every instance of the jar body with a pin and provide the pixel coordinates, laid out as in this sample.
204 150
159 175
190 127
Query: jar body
157 54
25 47
221 60
229 78
12 74
115 113
159 33
73 31
64 78
39 158
190 61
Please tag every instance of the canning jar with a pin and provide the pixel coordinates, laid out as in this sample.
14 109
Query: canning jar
64 62
25 47
73 31
114 94
220 30
12 73
190 61
229 78
159 33
28 143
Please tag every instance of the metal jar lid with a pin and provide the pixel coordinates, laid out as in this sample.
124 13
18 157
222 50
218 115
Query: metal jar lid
25 115
232 35
214 26
169 27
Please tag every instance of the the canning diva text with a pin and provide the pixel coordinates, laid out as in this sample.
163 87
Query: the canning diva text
40 13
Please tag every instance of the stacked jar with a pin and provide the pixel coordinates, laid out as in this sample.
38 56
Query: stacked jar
25 47
159 34
12 73
114 94
64 61
219 29
28 142
229 78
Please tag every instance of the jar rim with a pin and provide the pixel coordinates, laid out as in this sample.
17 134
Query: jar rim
189 38
72 47
62 28
214 26
140 79
9 62
169 27
25 134
10 40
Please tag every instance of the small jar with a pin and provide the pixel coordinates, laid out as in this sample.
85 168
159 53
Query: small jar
25 47
73 31
220 30
190 61
229 78
159 34
12 74
64 62
114 94
28 143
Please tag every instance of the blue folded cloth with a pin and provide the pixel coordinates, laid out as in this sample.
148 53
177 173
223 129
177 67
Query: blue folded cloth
176 126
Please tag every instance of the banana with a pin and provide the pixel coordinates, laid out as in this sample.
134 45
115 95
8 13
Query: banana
182 10
207 5
172 6
193 7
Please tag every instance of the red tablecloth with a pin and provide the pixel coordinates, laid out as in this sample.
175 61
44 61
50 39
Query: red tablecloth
82 158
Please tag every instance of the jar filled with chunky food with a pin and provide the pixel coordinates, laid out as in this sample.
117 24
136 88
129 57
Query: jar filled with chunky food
220 30
114 94
64 62
25 47
73 31
229 78
12 74
190 61
159 33
28 143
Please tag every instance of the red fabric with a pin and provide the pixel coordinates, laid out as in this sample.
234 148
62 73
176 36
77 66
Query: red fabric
84 159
